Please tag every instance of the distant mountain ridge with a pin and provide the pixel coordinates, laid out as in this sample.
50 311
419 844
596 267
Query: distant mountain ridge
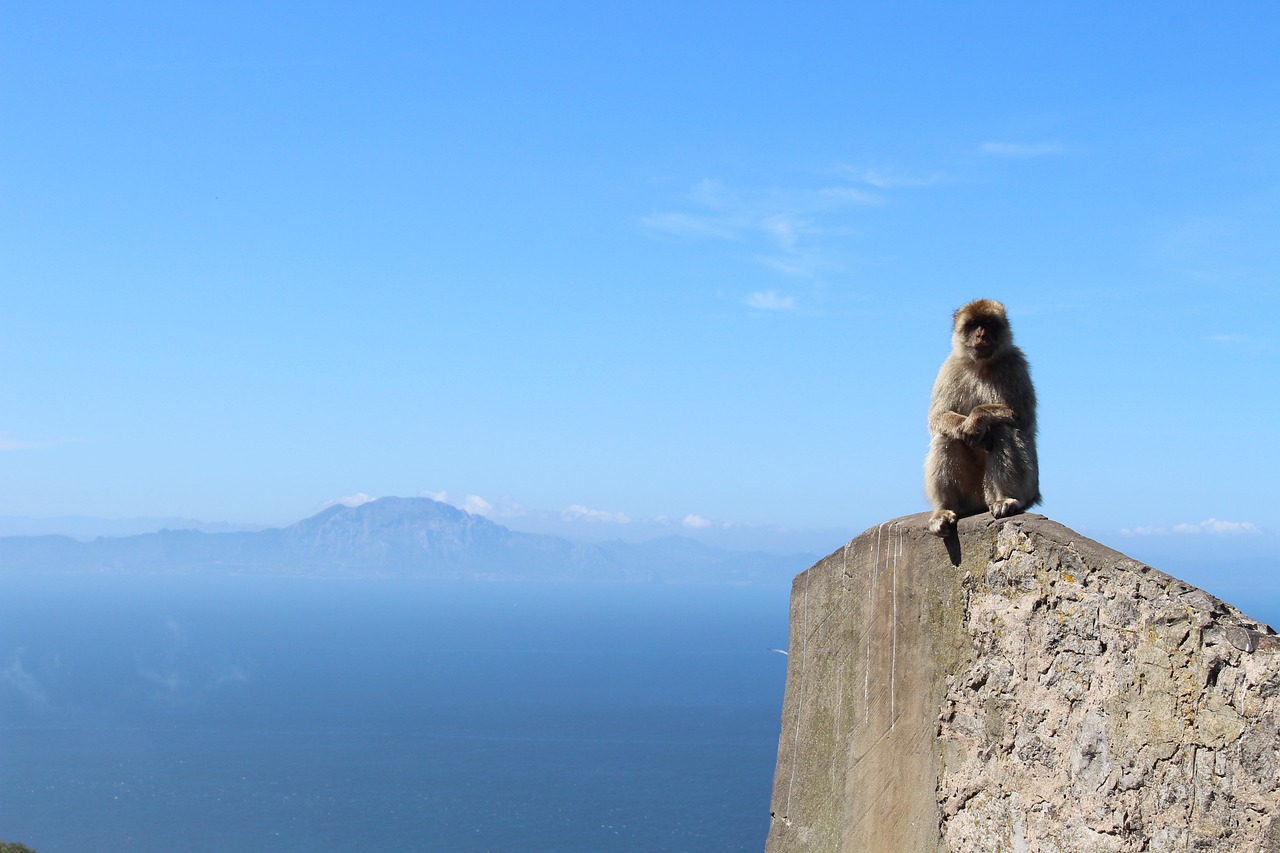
396 537
86 527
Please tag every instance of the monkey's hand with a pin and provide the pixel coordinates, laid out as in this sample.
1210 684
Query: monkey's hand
972 431
975 428
948 425
993 413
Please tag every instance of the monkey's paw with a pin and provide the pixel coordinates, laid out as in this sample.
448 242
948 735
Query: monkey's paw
972 433
942 523
1008 506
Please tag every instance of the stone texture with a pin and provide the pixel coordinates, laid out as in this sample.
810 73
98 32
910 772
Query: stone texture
1022 688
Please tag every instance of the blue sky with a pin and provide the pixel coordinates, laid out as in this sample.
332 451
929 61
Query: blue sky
687 265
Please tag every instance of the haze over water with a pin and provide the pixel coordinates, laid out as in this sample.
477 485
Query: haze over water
271 714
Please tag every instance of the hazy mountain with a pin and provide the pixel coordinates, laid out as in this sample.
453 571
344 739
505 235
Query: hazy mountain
397 537
89 527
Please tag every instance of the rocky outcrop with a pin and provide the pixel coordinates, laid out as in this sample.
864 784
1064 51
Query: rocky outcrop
1021 688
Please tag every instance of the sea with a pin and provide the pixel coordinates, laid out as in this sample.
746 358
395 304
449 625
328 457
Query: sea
188 714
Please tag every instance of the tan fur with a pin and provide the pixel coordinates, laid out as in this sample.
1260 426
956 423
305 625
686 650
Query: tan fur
982 419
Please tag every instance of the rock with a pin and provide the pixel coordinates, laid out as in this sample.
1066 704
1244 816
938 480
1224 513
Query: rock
1021 688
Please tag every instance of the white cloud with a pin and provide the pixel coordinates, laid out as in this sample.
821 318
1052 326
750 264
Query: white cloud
770 301
350 500
577 512
1213 525
796 222
711 194
889 179
476 505
1210 526
847 195
695 522
1022 150
784 229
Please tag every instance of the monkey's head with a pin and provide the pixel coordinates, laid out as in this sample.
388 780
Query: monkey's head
980 330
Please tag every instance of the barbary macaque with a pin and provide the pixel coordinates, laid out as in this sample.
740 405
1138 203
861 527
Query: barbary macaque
982 419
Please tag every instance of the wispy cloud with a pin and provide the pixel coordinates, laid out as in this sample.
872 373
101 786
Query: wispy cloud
730 213
785 229
790 229
1241 343
892 178
770 301
175 679
577 512
15 676
695 522
476 505
689 225
172 684
1210 527
1022 150
7 443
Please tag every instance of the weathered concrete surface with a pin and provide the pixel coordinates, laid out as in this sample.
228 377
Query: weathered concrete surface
1022 689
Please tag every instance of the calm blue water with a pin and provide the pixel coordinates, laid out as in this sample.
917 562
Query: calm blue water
257 714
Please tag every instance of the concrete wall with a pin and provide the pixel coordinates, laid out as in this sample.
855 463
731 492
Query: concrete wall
1020 688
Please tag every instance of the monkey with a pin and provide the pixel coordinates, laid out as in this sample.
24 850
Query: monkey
982 423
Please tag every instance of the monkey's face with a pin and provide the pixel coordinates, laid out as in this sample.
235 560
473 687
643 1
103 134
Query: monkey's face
981 336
